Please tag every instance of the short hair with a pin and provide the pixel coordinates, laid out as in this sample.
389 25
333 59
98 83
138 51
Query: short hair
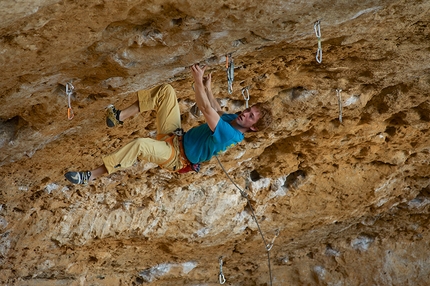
265 119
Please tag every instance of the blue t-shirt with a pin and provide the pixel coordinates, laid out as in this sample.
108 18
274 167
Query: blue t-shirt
200 143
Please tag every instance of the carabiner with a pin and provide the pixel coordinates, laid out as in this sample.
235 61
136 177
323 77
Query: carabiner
245 96
69 92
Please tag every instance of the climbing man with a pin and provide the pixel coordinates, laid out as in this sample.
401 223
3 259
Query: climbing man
173 149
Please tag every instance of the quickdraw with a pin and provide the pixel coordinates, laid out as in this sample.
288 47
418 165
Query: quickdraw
317 28
339 99
221 275
245 94
229 65
69 92
270 245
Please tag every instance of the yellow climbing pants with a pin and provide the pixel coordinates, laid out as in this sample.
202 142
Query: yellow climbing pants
163 100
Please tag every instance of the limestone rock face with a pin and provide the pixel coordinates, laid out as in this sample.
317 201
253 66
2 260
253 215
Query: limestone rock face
341 177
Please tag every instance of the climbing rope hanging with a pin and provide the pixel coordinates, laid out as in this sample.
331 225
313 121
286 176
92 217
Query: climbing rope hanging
245 195
69 93
245 94
229 65
339 99
317 28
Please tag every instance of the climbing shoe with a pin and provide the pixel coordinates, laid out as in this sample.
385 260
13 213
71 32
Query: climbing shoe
112 116
81 178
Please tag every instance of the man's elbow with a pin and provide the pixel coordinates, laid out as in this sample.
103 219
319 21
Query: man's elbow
205 108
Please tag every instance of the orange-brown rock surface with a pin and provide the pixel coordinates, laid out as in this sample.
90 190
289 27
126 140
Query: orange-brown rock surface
348 194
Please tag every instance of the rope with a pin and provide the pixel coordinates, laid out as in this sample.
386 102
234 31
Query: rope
245 195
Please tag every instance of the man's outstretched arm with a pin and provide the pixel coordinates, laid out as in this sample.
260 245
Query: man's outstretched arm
202 97
207 81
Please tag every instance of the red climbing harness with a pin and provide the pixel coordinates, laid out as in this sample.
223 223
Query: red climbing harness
187 166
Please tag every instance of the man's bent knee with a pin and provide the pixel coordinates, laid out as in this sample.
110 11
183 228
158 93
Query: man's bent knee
167 88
